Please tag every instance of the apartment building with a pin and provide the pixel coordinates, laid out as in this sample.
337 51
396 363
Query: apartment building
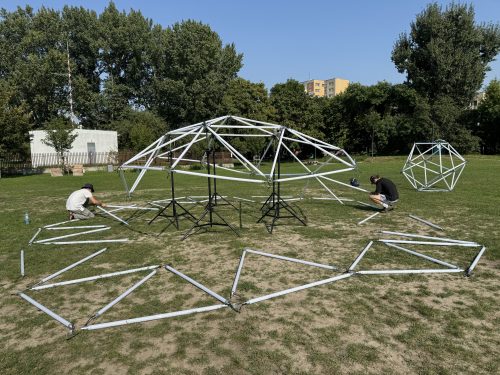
328 87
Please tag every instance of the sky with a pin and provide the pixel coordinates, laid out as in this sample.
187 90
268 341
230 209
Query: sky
308 39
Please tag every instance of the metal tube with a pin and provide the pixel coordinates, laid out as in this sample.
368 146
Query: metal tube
36 234
425 222
238 272
422 256
313 175
197 284
368 218
244 199
131 207
62 222
82 242
112 215
22 263
152 317
427 237
298 288
361 255
52 314
437 243
124 294
71 266
78 227
218 176
474 262
92 278
344 184
72 235
402 272
294 260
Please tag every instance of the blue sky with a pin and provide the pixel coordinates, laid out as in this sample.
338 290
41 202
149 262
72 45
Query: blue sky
283 39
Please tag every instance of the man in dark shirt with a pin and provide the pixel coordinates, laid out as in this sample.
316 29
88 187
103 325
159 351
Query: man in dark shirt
385 192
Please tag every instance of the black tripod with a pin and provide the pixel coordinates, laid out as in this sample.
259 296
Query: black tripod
206 220
177 209
274 205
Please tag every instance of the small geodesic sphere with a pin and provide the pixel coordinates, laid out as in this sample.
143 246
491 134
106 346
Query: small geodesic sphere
433 166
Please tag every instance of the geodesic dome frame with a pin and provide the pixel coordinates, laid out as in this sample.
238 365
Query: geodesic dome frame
176 144
433 166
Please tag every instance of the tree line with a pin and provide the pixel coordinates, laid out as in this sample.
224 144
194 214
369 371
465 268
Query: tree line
120 71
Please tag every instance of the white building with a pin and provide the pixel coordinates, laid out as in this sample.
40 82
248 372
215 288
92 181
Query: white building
89 147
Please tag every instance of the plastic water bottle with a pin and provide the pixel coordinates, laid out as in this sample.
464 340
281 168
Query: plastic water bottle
26 218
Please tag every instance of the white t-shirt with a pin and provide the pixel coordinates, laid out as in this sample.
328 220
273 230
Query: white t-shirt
77 199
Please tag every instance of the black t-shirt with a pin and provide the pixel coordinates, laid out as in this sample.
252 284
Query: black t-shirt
387 187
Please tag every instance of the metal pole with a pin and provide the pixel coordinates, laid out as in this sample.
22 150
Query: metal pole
368 218
197 284
402 272
62 222
123 295
60 319
72 235
361 255
426 222
22 263
427 237
294 260
474 263
71 266
422 255
152 317
78 227
92 278
112 215
33 238
84 242
238 272
437 243
298 288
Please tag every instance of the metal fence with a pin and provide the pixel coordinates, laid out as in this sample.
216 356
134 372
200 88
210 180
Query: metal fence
35 163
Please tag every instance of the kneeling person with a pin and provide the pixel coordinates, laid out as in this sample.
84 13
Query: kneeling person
79 200
385 192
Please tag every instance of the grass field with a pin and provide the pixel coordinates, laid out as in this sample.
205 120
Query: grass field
425 324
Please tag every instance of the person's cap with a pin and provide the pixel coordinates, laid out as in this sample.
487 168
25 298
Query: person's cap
373 179
88 186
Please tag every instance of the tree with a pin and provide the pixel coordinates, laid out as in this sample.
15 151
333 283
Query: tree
138 129
15 122
191 73
445 57
446 53
59 136
489 118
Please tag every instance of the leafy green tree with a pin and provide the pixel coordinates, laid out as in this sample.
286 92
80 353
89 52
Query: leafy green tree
191 73
60 136
445 57
446 53
14 124
489 118
138 129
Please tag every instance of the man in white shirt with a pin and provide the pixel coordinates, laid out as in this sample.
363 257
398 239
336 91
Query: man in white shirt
79 200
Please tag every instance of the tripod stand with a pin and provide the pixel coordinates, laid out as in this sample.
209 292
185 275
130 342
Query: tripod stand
177 209
206 220
274 205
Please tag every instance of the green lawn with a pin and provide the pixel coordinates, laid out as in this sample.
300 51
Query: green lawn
439 323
